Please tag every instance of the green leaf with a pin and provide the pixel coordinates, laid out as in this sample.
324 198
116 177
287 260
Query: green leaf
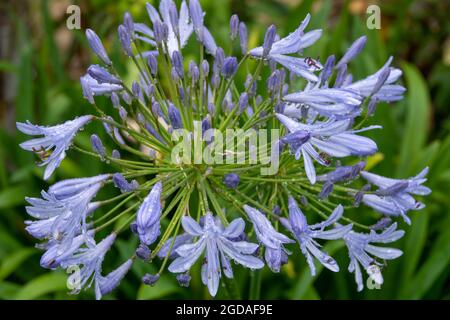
12 197
8 290
162 288
417 117
44 284
14 260
414 243
436 263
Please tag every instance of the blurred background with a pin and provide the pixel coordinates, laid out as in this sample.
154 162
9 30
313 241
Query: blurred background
41 61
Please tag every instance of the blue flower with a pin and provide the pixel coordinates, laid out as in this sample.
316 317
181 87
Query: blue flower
383 90
106 284
333 137
52 147
89 260
231 180
360 248
63 210
55 252
394 196
275 253
326 102
353 51
293 43
96 45
178 242
122 183
92 87
216 241
306 235
147 218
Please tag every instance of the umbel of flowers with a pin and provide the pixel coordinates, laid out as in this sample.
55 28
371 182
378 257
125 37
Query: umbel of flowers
218 213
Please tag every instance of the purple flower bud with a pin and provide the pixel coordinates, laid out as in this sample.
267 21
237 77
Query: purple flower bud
115 100
156 110
148 216
174 75
97 146
96 45
140 118
160 31
279 107
177 62
126 97
153 64
394 189
259 100
133 227
205 67
327 69
304 201
194 72
372 106
175 117
184 279
136 88
181 93
87 91
243 102
269 39
273 81
234 26
276 210
115 154
285 89
197 18
352 52
143 252
125 40
102 75
383 76
128 23
231 180
249 82
153 132
229 67
381 224
211 108
123 113
326 190
358 198
341 75
121 183
150 279
174 20
243 36
219 59
206 125
215 80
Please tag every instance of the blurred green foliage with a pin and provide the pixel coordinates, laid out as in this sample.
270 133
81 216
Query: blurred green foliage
43 60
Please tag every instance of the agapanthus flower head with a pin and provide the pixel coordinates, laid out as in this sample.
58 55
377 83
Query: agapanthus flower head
185 133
